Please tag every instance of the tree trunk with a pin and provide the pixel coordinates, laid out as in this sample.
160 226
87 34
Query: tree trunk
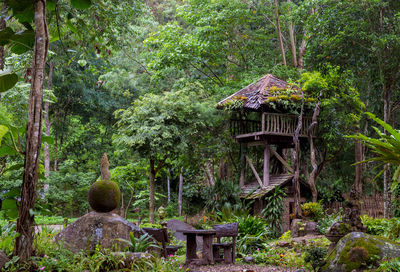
152 189
302 51
313 176
292 42
2 26
55 155
180 192
25 223
278 30
210 172
386 174
47 123
296 163
358 157
169 187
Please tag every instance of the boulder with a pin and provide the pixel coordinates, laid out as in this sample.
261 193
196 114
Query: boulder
358 251
3 259
301 227
97 229
175 226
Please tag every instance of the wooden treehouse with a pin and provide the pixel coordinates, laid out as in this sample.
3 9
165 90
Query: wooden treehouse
264 120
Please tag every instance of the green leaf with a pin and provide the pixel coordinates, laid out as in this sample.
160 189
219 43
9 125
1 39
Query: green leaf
5 36
3 131
10 207
7 150
81 4
15 167
48 139
7 81
12 193
23 42
51 4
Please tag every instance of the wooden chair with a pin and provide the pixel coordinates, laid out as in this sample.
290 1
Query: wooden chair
227 230
161 235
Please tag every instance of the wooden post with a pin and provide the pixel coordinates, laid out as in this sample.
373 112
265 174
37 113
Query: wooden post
254 170
266 165
242 165
263 122
282 160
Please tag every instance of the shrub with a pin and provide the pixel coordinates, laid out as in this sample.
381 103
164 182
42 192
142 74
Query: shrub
286 236
224 191
389 265
313 210
327 220
315 256
389 228
253 233
273 211
7 237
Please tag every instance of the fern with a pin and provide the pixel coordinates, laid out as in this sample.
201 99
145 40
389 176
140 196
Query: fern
386 147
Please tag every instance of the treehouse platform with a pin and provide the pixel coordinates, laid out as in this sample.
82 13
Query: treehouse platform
275 128
265 117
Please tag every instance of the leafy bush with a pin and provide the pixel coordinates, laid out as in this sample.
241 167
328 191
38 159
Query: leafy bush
7 237
313 210
273 211
141 244
315 256
253 233
55 257
224 191
276 256
389 265
286 236
52 220
389 228
150 225
327 220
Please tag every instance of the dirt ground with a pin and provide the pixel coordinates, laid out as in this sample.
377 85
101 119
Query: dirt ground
238 268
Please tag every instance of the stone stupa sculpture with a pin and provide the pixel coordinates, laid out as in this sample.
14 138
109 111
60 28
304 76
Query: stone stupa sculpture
101 226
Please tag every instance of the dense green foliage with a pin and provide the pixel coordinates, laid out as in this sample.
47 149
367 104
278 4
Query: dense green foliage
140 80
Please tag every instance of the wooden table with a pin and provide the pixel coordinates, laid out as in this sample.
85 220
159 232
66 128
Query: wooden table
191 245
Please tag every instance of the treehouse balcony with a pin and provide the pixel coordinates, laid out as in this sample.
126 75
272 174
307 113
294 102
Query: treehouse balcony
275 128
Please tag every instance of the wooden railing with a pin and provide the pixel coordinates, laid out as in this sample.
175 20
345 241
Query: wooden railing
271 123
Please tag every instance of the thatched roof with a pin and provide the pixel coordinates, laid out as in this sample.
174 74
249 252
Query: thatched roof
255 94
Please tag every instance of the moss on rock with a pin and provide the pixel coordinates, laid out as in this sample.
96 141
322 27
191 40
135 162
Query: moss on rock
104 196
358 251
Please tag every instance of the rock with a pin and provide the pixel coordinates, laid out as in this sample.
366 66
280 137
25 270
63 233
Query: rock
337 230
97 229
358 250
311 228
248 259
297 228
174 225
301 227
3 259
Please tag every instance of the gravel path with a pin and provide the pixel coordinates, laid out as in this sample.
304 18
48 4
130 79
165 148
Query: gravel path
238 268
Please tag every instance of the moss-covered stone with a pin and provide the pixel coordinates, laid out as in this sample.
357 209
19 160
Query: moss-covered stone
104 196
359 250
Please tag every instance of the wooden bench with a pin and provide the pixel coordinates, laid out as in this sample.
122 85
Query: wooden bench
161 235
227 230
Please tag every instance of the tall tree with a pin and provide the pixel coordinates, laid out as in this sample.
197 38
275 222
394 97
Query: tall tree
158 127
25 223
361 36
